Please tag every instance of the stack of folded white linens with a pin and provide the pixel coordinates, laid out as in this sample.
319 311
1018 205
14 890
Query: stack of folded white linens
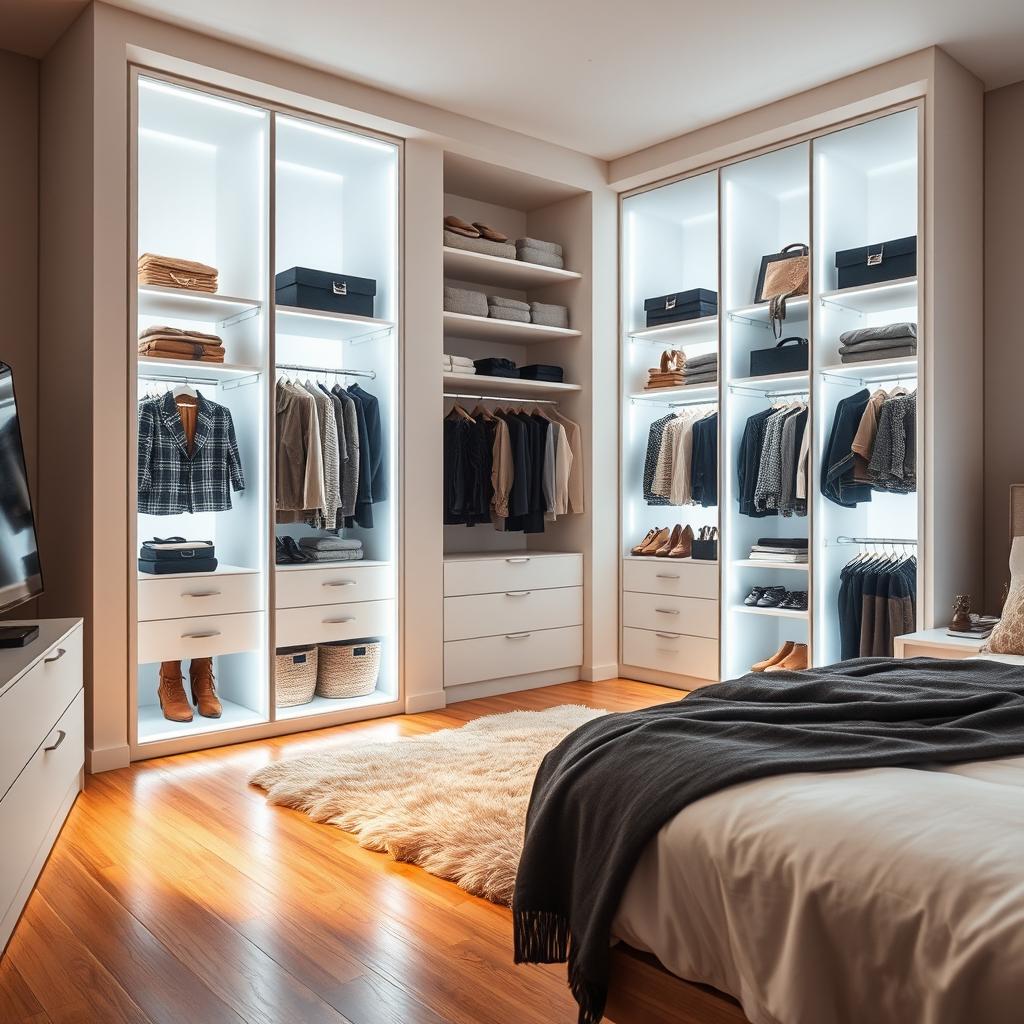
501 308
459 364
890 341
534 250
331 549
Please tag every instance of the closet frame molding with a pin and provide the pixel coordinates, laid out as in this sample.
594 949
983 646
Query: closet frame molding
273 726
926 493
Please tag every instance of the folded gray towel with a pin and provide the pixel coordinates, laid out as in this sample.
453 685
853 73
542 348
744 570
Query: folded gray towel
487 247
883 333
701 378
899 352
330 543
462 300
707 359
501 300
334 556
880 345
541 257
549 315
535 243
508 313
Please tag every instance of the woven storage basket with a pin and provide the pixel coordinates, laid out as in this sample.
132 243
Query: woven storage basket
295 676
348 669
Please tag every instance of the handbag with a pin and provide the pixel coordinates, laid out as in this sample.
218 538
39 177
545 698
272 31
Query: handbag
783 275
780 358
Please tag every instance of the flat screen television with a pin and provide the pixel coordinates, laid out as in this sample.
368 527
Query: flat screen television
20 576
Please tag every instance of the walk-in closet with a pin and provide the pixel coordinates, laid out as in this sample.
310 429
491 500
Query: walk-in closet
267 391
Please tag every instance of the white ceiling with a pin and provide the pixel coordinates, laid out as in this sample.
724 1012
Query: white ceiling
601 77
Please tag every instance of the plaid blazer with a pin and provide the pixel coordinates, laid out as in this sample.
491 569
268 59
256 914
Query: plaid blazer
170 480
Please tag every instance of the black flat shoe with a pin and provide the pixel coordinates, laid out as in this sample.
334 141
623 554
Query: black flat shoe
753 597
772 597
796 601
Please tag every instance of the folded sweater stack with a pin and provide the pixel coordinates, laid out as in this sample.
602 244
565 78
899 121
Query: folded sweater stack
534 250
501 308
891 341
463 300
459 364
331 549
495 367
702 369
171 343
171 272
543 372
548 315
779 549
678 370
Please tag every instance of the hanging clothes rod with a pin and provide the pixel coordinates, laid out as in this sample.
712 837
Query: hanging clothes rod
672 405
372 374
514 399
177 378
902 541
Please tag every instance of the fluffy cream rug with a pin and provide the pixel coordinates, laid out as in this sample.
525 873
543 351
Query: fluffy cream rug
454 802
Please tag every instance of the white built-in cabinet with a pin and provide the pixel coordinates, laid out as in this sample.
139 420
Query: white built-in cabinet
253 190
859 184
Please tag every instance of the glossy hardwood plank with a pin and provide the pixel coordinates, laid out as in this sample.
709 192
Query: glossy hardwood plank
176 893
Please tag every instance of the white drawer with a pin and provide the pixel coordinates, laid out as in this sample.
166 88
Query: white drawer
511 572
694 616
514 654
31 804
670 652
677 576
512 612
346 582
29 709
324 623
199 637
209 594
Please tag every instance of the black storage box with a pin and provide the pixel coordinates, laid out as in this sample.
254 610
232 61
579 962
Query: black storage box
542 371
678 306
184 565
704 550
785 357
871 264
317 289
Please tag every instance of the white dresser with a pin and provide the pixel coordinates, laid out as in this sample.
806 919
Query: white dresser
42 755
670 616
510 616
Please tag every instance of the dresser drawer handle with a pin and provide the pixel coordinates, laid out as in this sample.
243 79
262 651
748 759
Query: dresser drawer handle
667 576
667 611
340 583
61 737
517 636
200 636
203 593
518 593
669 636
337 622
56 657
516 561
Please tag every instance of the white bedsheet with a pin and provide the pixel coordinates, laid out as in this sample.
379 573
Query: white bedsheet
877 896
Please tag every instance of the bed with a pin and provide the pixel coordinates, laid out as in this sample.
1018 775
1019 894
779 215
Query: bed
829 898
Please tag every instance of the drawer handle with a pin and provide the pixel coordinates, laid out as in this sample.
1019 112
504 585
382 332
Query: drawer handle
517 636
61 737
667 650
336 622
340 583
667 611
667 576
200 636
56 657
669 636
516 561
518 593
203 593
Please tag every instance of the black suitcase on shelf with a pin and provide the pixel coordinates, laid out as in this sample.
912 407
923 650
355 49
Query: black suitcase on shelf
872 264
318 289
780 358
678 306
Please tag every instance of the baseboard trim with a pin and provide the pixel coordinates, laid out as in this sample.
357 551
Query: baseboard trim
678 682
510 684
107 759
598 673
420 702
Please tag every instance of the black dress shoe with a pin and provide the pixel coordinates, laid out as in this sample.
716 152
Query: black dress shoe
772 597
753 597
293 549
796 601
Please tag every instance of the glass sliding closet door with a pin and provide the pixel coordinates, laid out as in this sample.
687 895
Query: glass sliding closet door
336 361
201 443
670 611
866 198
765 208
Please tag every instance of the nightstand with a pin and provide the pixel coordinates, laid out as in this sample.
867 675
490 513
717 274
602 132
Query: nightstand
934 643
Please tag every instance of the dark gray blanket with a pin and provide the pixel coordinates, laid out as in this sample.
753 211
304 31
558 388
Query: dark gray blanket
604 792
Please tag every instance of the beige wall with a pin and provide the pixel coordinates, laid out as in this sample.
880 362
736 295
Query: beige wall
1004 334
19 232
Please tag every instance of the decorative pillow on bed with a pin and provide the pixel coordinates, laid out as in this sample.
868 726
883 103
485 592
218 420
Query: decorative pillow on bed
1008 636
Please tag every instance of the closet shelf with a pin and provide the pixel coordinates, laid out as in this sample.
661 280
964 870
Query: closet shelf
189 368
695 394
796 310
771 382
315 323
509 385
154 727
485 328
202 307
875 370
752 563
341 564
221 570
331 706
687 332
874 298
780 613
481 268
669 561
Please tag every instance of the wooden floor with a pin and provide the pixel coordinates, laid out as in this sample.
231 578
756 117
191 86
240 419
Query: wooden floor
175 895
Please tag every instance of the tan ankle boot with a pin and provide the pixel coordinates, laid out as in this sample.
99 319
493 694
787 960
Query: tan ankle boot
673 540
171 693
781 654
204 693
683 548
795 661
